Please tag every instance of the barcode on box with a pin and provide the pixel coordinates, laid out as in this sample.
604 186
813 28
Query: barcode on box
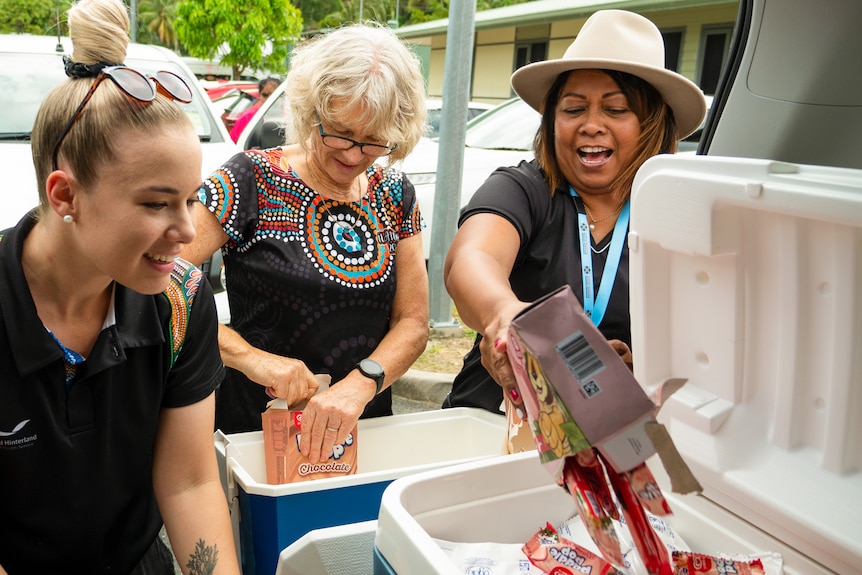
582 361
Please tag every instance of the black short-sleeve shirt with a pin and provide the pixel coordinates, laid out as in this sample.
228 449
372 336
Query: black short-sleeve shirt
76 462
549 258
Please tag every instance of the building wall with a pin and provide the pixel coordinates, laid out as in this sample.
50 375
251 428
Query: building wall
494 48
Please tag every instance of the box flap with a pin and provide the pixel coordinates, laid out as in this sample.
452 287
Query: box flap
745 279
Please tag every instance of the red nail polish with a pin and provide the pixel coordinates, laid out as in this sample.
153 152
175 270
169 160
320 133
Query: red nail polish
513 393
497 342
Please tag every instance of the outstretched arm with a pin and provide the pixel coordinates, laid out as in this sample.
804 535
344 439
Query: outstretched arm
476 272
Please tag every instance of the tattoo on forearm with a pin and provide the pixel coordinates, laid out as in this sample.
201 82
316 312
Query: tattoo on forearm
203 560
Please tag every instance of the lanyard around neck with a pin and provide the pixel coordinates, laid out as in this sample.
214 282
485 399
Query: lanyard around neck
595 305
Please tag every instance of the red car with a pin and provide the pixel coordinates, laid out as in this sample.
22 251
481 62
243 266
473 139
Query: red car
232 98
218 90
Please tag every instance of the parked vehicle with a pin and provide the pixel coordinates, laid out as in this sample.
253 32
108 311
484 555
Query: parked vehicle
435 114
218 90
266 128
31 65
231 99
502 136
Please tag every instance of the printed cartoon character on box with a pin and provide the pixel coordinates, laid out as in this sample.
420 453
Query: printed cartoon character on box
556 433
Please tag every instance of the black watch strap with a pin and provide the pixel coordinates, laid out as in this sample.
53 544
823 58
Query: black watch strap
372 370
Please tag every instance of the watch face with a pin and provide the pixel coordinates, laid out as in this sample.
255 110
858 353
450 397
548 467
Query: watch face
371 368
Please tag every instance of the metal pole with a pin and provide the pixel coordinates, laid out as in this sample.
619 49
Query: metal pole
450 160
133 13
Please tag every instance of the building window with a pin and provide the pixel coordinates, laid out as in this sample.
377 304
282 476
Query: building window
672 49
715 42
529 52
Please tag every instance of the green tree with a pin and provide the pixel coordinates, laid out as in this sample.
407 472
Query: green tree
27 16
240 31
157 17
333 13
313 11
426 10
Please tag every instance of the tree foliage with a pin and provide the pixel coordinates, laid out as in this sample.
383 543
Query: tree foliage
27 16
428 10
156 17
244 34
321 14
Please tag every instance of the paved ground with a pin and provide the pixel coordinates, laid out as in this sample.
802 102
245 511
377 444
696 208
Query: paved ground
420 391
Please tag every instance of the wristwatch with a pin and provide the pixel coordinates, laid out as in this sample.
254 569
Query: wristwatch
372 370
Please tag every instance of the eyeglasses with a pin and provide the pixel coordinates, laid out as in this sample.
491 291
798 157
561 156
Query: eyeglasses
135 85
342 143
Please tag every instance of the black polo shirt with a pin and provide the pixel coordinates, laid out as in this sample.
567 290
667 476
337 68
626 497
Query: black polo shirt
549 257
76 464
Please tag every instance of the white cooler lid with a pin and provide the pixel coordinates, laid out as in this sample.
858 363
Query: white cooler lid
746 279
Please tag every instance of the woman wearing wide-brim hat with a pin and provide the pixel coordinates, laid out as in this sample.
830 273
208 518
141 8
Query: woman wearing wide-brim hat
607 106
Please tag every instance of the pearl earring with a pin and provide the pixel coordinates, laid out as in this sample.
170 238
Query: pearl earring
68 218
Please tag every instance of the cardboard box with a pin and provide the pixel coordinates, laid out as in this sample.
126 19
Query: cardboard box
282 430
268 518
577 391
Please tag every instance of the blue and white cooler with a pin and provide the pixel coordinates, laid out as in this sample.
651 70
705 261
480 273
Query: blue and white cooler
268 518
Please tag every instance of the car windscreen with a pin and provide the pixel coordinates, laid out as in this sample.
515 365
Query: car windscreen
25 80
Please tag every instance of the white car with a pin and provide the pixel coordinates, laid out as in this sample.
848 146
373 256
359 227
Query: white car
435 114
502 136
30 66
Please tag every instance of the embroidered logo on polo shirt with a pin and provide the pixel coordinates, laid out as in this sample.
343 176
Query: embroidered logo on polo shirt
17 438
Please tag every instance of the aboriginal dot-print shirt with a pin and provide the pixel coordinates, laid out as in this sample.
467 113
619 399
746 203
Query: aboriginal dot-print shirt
307 278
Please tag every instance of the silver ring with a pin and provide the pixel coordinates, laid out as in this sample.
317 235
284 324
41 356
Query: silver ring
334 429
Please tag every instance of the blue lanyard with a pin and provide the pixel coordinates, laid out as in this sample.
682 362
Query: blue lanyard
595 305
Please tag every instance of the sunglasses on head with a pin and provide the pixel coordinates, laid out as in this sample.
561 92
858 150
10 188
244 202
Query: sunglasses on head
135 85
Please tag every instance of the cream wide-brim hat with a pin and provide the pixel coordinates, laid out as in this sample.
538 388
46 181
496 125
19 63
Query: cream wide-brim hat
626 42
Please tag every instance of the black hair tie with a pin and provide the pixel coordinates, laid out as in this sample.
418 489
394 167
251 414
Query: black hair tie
81 70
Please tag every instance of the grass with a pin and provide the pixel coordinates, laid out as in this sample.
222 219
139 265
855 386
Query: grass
445 351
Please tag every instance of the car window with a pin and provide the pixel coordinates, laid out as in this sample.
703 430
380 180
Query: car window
276 112
25 79
435 115
268 126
